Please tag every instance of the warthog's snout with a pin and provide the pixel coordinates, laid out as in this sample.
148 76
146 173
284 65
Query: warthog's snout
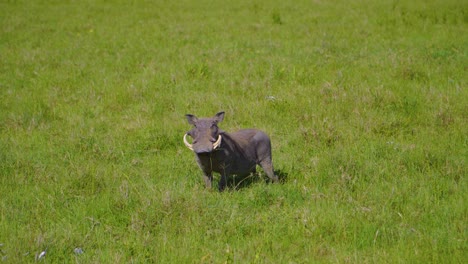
228 153
205 147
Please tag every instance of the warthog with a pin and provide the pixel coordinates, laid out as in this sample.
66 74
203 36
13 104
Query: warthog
228 153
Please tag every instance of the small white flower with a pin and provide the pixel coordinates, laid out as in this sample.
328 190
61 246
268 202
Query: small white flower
41 255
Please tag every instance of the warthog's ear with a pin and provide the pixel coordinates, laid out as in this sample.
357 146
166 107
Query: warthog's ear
219 117
191 119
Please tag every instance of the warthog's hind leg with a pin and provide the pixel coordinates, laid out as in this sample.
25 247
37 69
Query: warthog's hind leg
267 166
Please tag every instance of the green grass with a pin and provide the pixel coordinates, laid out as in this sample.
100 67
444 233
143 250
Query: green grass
366 103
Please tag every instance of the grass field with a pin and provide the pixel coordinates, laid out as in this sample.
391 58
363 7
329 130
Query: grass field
366 103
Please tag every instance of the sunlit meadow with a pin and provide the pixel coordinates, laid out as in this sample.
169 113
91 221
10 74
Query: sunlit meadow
365 102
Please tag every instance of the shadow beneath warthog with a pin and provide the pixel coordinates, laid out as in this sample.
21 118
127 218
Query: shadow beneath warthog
282 176
236 182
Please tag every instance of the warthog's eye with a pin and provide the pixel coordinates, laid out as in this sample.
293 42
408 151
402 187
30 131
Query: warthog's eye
192 133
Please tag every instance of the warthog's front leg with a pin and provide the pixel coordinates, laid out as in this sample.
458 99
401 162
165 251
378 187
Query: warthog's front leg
225 172
208 177
222 182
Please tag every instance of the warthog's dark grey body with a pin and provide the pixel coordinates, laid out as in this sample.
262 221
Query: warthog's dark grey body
238 153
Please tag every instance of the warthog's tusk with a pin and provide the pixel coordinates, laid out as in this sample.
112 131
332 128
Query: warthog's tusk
217 143
188 145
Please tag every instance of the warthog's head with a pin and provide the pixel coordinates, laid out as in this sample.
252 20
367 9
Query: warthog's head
205 133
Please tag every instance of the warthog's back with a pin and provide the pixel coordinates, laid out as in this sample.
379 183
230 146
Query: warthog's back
253 144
